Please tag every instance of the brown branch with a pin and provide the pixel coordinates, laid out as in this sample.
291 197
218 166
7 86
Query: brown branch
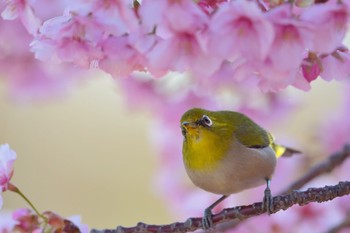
320 1
281 202
326 166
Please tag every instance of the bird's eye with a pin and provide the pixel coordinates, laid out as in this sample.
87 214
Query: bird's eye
207 121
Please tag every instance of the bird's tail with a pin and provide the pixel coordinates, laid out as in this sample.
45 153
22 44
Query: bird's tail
284 151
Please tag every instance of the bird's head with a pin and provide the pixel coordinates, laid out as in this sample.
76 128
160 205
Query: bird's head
197 122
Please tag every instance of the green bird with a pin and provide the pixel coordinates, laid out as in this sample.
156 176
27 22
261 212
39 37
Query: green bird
225 152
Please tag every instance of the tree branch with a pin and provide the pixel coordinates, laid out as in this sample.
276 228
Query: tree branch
280 202
326 166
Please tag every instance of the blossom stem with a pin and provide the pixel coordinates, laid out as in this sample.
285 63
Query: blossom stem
13 188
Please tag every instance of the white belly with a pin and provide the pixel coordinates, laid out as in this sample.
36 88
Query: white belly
242 169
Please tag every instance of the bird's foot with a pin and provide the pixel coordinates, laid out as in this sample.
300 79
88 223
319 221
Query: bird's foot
207 221
267 203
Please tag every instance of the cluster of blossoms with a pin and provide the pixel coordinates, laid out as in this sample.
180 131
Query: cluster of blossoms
27 78
24 220
278 44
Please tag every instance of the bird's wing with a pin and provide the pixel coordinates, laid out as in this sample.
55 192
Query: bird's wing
253 136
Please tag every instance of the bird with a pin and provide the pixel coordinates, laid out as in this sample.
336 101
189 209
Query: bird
225 152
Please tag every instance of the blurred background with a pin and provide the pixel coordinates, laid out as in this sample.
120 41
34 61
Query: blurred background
85 154
91 155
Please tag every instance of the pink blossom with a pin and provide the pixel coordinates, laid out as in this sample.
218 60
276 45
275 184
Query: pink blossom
117 17
301 82
7 158
69 38
46 9
239 28
23 10
336 66
120 58
281 68
292 38
6 223
152 13
184 17
172 17
237 75
37 81
77 36
27 78
182 41
329 22
273 79
26 221
181 53
20 213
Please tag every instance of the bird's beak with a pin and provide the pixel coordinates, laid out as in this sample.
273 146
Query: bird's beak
188 127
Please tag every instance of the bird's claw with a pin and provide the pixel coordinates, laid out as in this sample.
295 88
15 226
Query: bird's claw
207 221
267 203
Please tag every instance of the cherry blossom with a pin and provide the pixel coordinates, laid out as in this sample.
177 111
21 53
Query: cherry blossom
116 17
336 66
7 158
239 28
6 223
291 40
162 36
23 10
77 34
27 78
27 221
329 25
181 43
120 58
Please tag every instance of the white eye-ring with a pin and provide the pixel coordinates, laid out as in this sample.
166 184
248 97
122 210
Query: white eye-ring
206 120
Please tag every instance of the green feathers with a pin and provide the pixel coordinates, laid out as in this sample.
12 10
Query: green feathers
229 125
249 133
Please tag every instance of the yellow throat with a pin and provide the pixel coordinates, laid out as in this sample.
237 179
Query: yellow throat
203 149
